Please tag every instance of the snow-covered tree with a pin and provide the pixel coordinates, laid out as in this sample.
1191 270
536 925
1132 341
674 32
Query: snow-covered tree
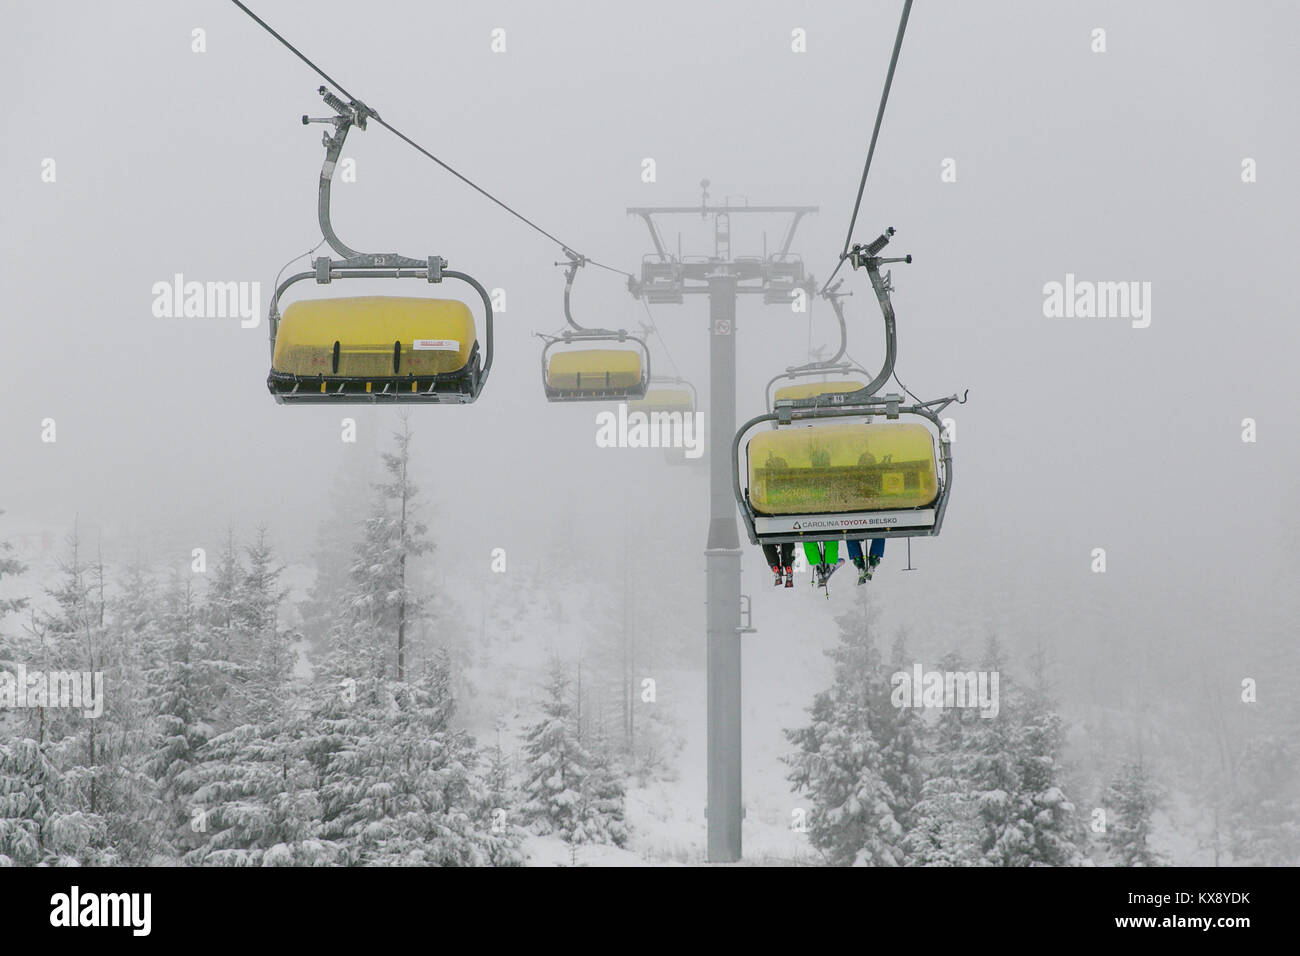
1038 825
944 824
181 685
382 604
336 536
253 800
398 785
557 763
1130 800
990 764
37 825
223 649
902 736
10 567
62 751
600 816
840 760
265 644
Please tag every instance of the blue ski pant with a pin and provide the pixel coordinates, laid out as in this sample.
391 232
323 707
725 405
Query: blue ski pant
877 549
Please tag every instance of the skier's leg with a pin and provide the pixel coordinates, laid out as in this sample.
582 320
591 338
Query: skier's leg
877 551
773 555
813 551
859 562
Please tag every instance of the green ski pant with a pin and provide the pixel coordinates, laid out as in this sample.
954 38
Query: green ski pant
812 549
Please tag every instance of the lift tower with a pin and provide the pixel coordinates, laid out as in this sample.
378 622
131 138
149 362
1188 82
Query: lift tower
666 278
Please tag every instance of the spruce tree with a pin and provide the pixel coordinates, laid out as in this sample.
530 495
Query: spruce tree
382 605
600 817
840 760
397 783
557 763
265 644
1041 827
990 765
944 823
1130 800
10 567
183 685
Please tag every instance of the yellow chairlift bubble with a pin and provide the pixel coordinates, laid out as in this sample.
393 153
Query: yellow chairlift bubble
664 400
373 349
816 389
373 345
842 468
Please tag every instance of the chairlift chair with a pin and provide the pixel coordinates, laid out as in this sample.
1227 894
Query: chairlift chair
668 395
855 377
373 349
587 374
829 471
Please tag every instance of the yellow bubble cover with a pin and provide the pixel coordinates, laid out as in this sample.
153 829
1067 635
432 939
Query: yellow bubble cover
663 400
436 336
814 389
842 468
594 369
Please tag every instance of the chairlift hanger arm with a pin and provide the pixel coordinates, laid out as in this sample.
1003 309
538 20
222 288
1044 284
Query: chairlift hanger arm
844 332
345 117
867 257
831 363
860 257
571 268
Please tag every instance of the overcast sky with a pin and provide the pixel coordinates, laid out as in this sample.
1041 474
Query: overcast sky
1079 433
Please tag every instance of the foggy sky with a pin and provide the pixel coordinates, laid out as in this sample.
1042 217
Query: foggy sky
1079 433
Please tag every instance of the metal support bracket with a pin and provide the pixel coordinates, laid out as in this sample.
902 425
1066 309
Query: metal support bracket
746 616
